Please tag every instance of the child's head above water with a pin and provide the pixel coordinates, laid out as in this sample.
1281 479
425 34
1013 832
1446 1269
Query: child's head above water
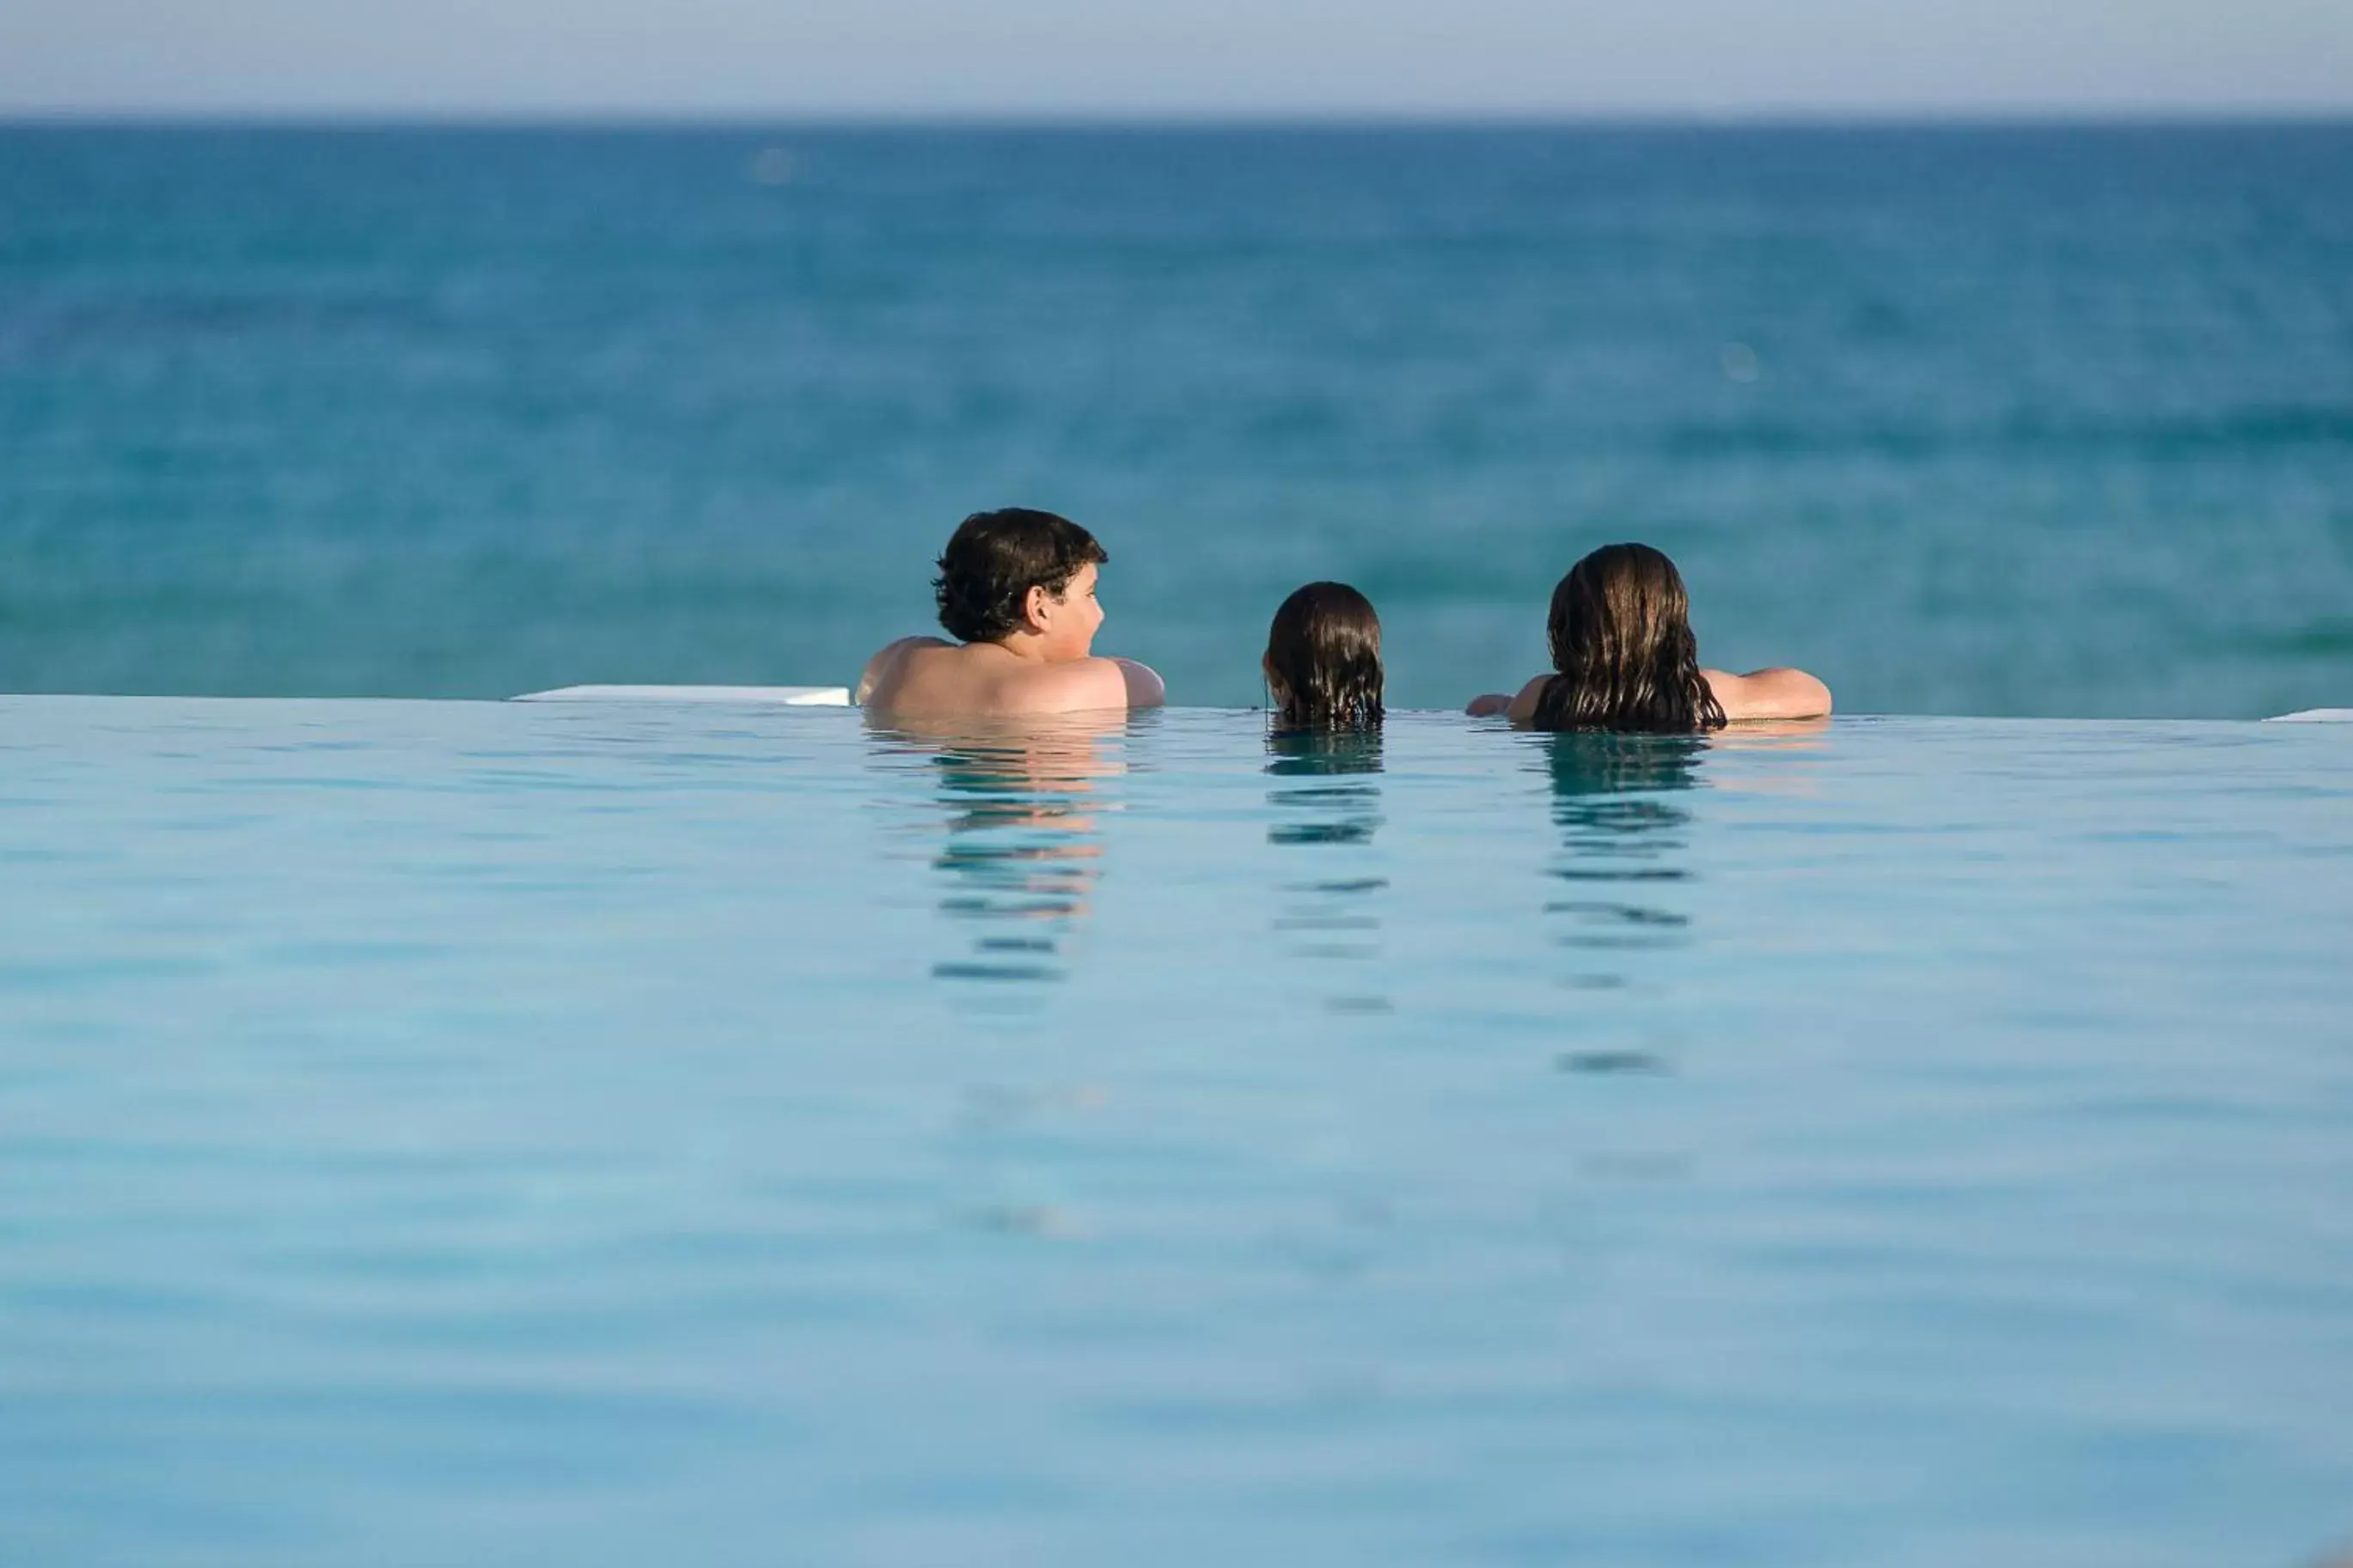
1622 644
1323 659
1014 572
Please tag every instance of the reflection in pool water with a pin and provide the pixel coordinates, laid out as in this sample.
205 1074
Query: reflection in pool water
1624 849
1328 798
1021 846
455 1132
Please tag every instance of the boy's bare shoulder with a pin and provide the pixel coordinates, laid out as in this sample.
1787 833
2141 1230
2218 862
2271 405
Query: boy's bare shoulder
1083 684
885 676
886 670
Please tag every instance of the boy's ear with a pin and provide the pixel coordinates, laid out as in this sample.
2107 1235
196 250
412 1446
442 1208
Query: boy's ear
1033 608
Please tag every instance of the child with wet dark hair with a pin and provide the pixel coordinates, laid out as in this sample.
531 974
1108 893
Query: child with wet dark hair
1624 658
1323 660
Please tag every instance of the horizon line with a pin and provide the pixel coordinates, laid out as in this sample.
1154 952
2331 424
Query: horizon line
2055 117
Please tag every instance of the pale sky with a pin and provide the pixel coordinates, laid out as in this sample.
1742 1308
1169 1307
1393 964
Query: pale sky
1150 57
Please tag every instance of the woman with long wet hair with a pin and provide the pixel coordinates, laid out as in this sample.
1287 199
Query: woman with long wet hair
1624 658
1323 660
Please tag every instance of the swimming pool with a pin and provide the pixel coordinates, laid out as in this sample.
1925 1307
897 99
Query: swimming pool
452 1134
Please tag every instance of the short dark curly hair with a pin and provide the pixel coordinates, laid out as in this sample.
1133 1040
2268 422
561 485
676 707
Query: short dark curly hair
994 558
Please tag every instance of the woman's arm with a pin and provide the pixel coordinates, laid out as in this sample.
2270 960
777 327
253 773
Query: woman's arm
1518 709
1776 693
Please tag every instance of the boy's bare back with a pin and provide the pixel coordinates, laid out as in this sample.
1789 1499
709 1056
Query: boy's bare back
929 678
1017 589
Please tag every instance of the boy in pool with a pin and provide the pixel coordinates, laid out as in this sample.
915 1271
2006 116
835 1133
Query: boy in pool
1016 590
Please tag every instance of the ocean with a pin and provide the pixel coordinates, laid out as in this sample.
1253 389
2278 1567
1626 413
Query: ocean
1993 421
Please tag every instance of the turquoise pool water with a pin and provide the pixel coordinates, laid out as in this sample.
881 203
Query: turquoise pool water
461 1133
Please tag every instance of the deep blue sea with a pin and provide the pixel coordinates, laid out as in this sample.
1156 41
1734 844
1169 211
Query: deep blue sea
1984 421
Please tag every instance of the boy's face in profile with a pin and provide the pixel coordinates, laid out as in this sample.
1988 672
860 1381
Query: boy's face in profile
1069 623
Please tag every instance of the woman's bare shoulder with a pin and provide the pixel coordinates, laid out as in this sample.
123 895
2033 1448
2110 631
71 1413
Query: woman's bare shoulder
1778 692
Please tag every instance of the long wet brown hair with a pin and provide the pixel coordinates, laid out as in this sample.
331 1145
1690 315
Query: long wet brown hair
1622 644
1323 659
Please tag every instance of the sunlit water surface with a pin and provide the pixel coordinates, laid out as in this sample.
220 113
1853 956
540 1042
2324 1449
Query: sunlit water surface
448 1134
